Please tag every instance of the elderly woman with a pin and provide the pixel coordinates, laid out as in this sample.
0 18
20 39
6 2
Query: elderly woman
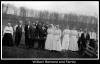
7 35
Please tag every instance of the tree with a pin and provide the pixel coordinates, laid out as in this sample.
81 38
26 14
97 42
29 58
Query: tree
22 11
4 8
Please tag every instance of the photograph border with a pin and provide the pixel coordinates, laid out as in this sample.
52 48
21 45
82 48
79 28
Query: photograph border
46 58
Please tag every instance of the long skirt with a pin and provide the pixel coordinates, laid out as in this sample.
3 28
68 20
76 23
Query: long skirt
49 42
7 40
57 44
73 46
65 42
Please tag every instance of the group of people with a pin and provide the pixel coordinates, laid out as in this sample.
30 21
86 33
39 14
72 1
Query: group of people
68 39
47 36
33 33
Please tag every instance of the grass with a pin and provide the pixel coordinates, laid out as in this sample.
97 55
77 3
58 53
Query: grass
18 52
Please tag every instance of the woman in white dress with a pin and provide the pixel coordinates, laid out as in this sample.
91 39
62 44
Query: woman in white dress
73 46
50 38
65 41
57 39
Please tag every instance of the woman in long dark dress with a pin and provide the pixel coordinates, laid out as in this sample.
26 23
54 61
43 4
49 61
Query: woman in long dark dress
7 35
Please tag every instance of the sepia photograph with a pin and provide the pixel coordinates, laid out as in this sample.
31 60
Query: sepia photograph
53 30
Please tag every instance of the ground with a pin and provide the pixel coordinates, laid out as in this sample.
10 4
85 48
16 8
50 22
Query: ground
22 52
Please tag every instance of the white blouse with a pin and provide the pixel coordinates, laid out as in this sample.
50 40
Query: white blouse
66 32
93 35
8 30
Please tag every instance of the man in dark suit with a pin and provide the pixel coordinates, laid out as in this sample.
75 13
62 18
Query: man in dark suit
41 37
85 37
28 35
18 33
44 35
79 39
33 34
37 37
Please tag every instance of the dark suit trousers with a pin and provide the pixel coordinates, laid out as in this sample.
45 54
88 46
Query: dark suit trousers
17 39
42 43
28 42
79 43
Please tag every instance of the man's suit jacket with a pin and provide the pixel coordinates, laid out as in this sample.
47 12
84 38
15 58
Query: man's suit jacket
28 31
85 39
18 30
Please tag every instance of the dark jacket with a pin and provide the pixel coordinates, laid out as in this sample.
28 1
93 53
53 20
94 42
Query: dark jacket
85 39
28 32
38 31
18 30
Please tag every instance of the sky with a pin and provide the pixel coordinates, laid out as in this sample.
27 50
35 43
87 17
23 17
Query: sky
90 8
